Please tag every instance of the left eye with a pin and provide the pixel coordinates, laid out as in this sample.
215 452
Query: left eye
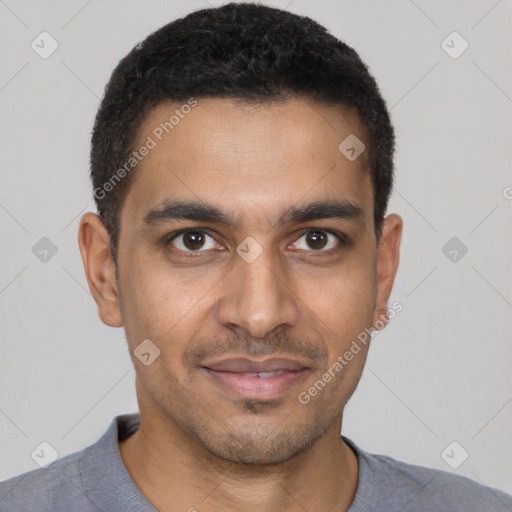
317 240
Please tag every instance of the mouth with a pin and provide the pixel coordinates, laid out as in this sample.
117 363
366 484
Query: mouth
256 380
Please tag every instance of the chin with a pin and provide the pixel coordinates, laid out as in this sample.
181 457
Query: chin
260 447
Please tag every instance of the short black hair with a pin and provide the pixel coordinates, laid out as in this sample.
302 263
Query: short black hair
244 51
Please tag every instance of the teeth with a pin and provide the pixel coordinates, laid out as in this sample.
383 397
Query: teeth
263 375
268 374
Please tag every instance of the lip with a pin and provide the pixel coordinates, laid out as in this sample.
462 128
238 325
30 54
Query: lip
240 376
246 365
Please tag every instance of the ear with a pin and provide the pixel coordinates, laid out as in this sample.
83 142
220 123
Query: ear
388 256
99 268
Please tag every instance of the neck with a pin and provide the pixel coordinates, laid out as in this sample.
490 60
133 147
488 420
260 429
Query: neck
174 472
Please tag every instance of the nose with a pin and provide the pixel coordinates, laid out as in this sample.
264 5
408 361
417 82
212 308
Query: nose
258 299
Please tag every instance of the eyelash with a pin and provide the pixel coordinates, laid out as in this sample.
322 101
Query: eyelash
340 236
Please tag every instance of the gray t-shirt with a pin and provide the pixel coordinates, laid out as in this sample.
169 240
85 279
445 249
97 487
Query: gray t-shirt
96 480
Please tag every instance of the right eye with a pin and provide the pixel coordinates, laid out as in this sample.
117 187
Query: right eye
192 240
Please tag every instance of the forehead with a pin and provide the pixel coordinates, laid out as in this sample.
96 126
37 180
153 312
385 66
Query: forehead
251 158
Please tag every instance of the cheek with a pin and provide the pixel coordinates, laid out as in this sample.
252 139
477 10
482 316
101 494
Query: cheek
169 306
343 312
154 300
343 300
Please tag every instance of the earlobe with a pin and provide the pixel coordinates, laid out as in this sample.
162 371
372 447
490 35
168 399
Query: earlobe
99 267
388 257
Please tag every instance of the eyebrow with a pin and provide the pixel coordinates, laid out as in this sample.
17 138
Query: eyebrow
172 210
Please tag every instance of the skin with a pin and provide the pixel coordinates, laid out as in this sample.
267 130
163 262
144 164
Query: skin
198 446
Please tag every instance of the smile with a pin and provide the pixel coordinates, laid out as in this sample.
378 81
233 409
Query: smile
262 385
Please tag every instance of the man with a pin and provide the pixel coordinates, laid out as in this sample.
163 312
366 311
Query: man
242 161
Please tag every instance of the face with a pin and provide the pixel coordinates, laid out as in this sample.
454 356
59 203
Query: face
248 258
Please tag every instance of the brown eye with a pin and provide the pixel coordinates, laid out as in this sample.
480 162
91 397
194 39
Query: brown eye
317 240
193 240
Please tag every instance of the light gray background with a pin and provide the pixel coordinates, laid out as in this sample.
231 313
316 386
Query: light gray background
440 372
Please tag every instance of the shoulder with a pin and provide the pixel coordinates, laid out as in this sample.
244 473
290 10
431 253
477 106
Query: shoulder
78 482
421 488
34 490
